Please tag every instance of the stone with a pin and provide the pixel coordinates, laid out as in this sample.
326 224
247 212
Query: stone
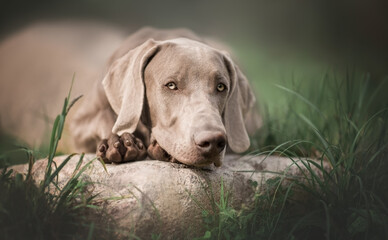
165 198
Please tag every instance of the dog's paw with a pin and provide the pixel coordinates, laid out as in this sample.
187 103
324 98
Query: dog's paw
124 148
155 151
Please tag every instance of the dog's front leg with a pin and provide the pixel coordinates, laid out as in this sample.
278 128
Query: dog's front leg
155 151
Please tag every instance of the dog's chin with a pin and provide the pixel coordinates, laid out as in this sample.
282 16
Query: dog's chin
197 160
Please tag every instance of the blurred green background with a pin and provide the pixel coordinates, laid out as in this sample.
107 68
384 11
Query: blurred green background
274 41
338 33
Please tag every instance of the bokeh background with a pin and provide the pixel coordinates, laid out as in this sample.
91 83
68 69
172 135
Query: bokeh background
348 33
332 34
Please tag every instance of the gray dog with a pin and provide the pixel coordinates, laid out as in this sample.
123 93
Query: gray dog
169 94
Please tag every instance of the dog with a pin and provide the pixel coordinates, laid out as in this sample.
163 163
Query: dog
169 95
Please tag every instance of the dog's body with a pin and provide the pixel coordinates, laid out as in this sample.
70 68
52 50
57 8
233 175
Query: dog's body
168 93
37 64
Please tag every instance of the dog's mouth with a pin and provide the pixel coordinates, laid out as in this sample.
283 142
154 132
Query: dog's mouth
155 151
199 163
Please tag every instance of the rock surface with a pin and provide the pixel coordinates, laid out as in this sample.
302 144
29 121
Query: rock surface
151 196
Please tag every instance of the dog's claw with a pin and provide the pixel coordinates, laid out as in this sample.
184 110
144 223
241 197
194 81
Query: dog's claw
102 148
140 145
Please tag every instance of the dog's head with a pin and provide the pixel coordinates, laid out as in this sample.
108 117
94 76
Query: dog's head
196 96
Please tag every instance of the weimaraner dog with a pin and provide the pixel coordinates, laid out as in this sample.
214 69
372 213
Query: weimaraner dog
170 95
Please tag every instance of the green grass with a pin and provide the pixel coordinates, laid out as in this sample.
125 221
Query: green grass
47 210
340 121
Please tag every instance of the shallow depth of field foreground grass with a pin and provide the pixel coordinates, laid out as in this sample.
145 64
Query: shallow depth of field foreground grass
339 119
46 210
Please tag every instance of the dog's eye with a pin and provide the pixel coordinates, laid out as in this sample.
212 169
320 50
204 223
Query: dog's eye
171 85
221 87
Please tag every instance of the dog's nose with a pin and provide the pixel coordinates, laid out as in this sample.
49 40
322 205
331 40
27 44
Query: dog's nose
210 143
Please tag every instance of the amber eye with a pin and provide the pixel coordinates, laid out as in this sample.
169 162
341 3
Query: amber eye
171 85
221 87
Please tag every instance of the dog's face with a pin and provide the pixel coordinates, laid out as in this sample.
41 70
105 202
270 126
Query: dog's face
197 98
187 89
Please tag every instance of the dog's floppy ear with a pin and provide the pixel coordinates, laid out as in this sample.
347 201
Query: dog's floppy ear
241 100
124 86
